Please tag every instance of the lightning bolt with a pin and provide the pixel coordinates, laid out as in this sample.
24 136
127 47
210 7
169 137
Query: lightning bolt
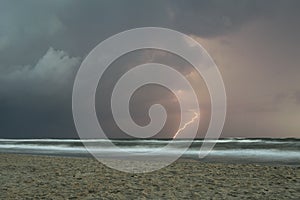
186 124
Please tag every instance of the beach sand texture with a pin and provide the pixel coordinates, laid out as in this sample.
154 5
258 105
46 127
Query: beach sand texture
44 177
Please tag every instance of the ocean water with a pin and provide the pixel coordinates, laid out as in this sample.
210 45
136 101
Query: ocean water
229 150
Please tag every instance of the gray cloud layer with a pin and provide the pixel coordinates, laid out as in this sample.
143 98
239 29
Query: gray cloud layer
42 44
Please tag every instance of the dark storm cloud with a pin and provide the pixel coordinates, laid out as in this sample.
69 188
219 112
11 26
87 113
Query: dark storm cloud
35 99
27 29
77 26
43 42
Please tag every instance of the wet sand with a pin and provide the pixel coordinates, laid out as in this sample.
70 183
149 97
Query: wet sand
45 177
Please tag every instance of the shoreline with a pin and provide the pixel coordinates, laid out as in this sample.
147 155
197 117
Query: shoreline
44 177
184 158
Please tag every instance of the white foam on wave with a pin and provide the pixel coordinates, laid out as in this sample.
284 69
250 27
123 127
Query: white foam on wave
271 154
150 141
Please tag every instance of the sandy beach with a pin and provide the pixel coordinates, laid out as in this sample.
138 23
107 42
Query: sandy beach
45 177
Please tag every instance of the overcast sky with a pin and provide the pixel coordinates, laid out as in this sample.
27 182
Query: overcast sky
255 44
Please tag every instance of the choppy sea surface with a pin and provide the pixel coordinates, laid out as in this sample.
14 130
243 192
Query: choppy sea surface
230 150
